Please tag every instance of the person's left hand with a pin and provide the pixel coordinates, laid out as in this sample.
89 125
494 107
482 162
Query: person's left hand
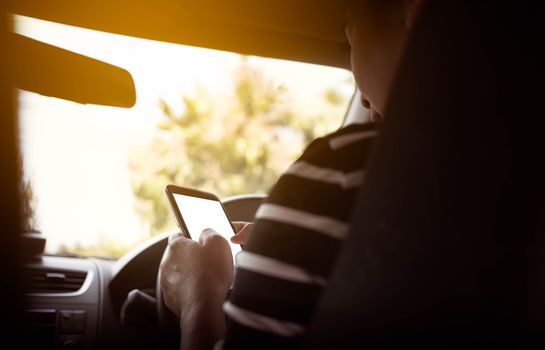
243 231
196 273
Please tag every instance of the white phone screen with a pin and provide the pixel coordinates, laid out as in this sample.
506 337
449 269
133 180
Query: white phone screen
200 214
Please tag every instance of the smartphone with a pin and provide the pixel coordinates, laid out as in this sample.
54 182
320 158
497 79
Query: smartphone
195 211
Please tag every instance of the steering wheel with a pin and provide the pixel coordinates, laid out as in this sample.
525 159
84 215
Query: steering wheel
238 208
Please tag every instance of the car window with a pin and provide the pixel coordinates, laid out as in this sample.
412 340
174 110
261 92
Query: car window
216 121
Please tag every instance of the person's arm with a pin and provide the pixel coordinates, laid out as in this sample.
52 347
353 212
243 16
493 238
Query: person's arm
203 323
195 278
287 259
294 242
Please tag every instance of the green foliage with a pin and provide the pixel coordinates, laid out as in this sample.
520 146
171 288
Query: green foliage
228 145
27 200
28 219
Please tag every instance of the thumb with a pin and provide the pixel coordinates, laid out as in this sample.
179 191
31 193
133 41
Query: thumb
242 236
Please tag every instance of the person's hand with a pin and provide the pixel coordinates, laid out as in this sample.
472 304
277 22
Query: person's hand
243 231
195 272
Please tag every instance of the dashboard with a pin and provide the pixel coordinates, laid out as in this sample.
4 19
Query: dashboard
63 301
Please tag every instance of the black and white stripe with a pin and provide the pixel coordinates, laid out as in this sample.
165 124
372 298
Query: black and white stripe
275 268
261 322
297 234
309 171
318 223
340 141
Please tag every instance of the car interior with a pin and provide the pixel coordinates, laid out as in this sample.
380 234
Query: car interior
446 252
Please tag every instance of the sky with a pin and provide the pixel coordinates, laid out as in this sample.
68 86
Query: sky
76 156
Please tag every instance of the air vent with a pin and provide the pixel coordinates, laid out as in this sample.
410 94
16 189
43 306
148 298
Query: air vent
53 280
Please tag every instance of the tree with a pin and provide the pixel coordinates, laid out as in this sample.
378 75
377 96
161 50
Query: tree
226 144
27 200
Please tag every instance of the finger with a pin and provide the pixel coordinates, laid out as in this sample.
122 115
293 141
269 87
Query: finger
237 239
207 234
175 236
215 243
242 236
178 239
179 244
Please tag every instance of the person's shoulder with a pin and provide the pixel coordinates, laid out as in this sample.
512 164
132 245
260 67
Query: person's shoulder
353 128
351 139
351 134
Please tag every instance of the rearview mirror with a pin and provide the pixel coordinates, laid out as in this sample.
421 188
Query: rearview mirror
52 71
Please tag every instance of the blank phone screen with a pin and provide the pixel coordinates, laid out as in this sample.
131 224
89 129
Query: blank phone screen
200 214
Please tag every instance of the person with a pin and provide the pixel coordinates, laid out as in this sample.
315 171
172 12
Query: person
298 230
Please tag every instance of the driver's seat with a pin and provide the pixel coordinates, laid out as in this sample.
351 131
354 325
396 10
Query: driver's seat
447 242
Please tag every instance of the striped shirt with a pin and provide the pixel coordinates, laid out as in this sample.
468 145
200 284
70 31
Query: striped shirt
295 241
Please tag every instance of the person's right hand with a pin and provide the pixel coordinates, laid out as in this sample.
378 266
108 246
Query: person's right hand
195 278
243 231
192 272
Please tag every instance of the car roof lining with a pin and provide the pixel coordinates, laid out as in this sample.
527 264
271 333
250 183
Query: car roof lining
305 30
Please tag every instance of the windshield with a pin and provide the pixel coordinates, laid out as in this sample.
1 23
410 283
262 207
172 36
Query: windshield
212 120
